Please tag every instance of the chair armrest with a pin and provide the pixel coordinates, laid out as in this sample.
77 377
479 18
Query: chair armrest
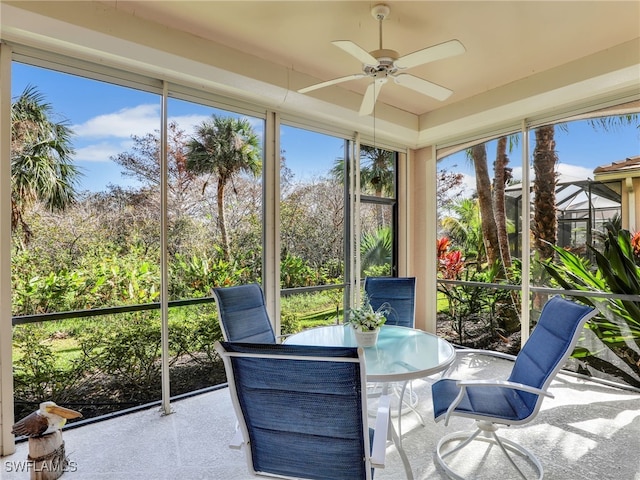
490 353
463 384
504 384
381 433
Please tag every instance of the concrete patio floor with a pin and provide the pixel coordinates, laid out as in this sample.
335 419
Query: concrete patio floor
588 431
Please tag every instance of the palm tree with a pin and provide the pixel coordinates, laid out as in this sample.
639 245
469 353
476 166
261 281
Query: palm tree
478 154
545 158
337 171
501 177
41 163
378 173
545 223
223 147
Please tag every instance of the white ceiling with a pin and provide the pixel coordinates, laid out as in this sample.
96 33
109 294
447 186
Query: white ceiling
505 41
522 59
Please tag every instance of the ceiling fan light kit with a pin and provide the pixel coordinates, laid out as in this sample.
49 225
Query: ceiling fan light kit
382 64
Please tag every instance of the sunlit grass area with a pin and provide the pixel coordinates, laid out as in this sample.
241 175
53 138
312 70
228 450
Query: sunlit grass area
65 348
313 309
442 303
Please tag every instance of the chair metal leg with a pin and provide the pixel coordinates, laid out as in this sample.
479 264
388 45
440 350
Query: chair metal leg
489 436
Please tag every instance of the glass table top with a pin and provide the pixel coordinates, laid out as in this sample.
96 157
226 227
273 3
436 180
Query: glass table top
400 354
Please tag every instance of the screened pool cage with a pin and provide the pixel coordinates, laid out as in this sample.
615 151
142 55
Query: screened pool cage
583 208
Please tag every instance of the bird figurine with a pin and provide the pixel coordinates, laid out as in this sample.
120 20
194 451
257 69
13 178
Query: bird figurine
47 419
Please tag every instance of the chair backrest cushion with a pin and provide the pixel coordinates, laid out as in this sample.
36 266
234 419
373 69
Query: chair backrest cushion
304 417
550 344
243 314
398 292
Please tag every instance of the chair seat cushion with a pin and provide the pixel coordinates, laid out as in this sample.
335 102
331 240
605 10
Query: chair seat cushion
490 402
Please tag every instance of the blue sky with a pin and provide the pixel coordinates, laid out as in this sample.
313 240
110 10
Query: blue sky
580 148
104 116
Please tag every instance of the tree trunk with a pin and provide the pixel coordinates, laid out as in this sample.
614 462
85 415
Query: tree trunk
379 212
502 175
483 186
222 221
545 222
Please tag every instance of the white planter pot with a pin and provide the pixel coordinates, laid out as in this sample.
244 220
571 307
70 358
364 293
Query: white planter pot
367 338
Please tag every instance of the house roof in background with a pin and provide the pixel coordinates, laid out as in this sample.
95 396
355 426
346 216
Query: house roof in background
622 167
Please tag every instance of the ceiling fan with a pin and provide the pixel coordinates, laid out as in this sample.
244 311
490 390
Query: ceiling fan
383 64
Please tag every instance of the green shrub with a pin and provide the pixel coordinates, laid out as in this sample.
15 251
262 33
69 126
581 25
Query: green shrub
38 373
126 349
289 323
194 334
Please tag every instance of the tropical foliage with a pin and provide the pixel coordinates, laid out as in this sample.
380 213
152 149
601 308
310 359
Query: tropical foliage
376 251
618 325
464 228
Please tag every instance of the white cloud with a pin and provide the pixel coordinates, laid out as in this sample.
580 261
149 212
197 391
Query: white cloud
138 120
574 172
114 130
188 123
516 174
101 152
466 189
567 172
468 183
120 126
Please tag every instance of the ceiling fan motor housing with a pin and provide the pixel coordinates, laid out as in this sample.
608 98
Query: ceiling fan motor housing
385 64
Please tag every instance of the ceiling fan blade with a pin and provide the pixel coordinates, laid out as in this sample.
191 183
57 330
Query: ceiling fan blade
356 51
371 95
423 86
430 54
331 82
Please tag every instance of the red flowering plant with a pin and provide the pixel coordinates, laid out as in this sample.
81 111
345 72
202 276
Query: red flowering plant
635 245
442 245
450 266
450 262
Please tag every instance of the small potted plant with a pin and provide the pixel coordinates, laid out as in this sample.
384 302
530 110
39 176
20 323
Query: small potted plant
366 322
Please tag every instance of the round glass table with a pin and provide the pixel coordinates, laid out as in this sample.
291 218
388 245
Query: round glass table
400 354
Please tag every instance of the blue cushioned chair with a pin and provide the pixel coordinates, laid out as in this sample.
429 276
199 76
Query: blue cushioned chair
243 314
517 399
399 293
302 412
